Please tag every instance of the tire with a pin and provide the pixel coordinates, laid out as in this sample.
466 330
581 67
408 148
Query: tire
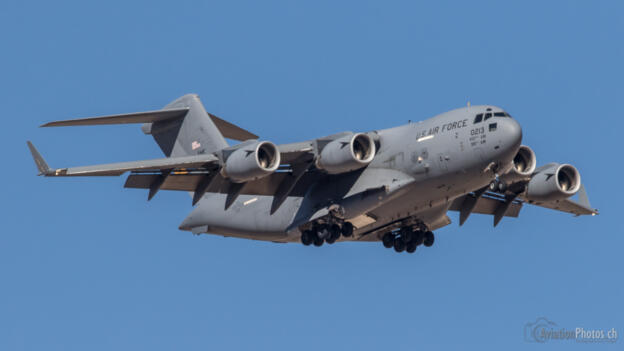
347 229
399 245
410 247
334 232
307 237
429 239
407 234
318 241
419 237
322 231
388 240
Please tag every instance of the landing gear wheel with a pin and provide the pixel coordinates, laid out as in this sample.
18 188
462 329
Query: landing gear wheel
429 239
399 245
334 231
388 240
347 229
419 237
407 234
410 247
307 237
318 241
322 231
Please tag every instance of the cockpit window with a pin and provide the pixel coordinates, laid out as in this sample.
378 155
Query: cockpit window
478 118
487 116
500 114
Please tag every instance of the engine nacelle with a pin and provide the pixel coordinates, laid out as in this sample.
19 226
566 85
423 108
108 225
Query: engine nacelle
347 154
252 162
553 182
523 165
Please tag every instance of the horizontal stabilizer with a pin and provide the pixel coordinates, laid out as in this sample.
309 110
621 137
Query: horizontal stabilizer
227 129
128 118
231 131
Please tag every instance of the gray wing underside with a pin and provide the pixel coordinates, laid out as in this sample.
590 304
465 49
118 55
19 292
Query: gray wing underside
267 186
187 172
490 202
569 206
119 168
116 169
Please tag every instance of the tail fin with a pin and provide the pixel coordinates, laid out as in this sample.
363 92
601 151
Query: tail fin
182 128
194 134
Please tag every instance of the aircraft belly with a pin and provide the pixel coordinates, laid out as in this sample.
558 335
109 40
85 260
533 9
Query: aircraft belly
249 217
427 201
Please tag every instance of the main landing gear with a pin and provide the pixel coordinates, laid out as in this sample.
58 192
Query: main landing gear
408 239
326 232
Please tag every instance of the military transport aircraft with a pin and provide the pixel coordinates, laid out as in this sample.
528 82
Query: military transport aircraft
393 185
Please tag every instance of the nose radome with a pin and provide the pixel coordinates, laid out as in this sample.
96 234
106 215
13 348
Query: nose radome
513 131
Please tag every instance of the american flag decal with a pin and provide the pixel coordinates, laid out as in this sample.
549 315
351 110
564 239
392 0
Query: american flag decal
195 145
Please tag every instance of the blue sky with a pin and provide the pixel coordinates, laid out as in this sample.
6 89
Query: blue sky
86 264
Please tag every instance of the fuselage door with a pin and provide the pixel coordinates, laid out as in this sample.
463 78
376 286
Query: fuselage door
443 159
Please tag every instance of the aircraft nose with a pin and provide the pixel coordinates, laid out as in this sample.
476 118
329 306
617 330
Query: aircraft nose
513 130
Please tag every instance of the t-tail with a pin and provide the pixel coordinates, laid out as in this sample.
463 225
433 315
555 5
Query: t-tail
190 138
182 128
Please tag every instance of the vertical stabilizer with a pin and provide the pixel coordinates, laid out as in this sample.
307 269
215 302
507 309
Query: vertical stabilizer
194 134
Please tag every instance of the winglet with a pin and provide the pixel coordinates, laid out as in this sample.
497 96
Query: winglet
42 166
583 200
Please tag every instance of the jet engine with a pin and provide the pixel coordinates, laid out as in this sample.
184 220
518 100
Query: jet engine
252 161
347 154
523 165
553 182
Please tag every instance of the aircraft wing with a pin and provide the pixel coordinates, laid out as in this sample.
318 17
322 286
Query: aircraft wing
199 173
569 206
577 208
500 205
189 181
296 152
487 204
171 164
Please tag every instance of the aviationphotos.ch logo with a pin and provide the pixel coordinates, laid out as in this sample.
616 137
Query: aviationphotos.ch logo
544 330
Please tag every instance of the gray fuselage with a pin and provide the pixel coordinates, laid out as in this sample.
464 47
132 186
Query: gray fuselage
447 156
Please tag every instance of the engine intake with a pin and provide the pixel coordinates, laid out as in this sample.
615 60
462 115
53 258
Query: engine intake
253 161
554 182
523 165
347 154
